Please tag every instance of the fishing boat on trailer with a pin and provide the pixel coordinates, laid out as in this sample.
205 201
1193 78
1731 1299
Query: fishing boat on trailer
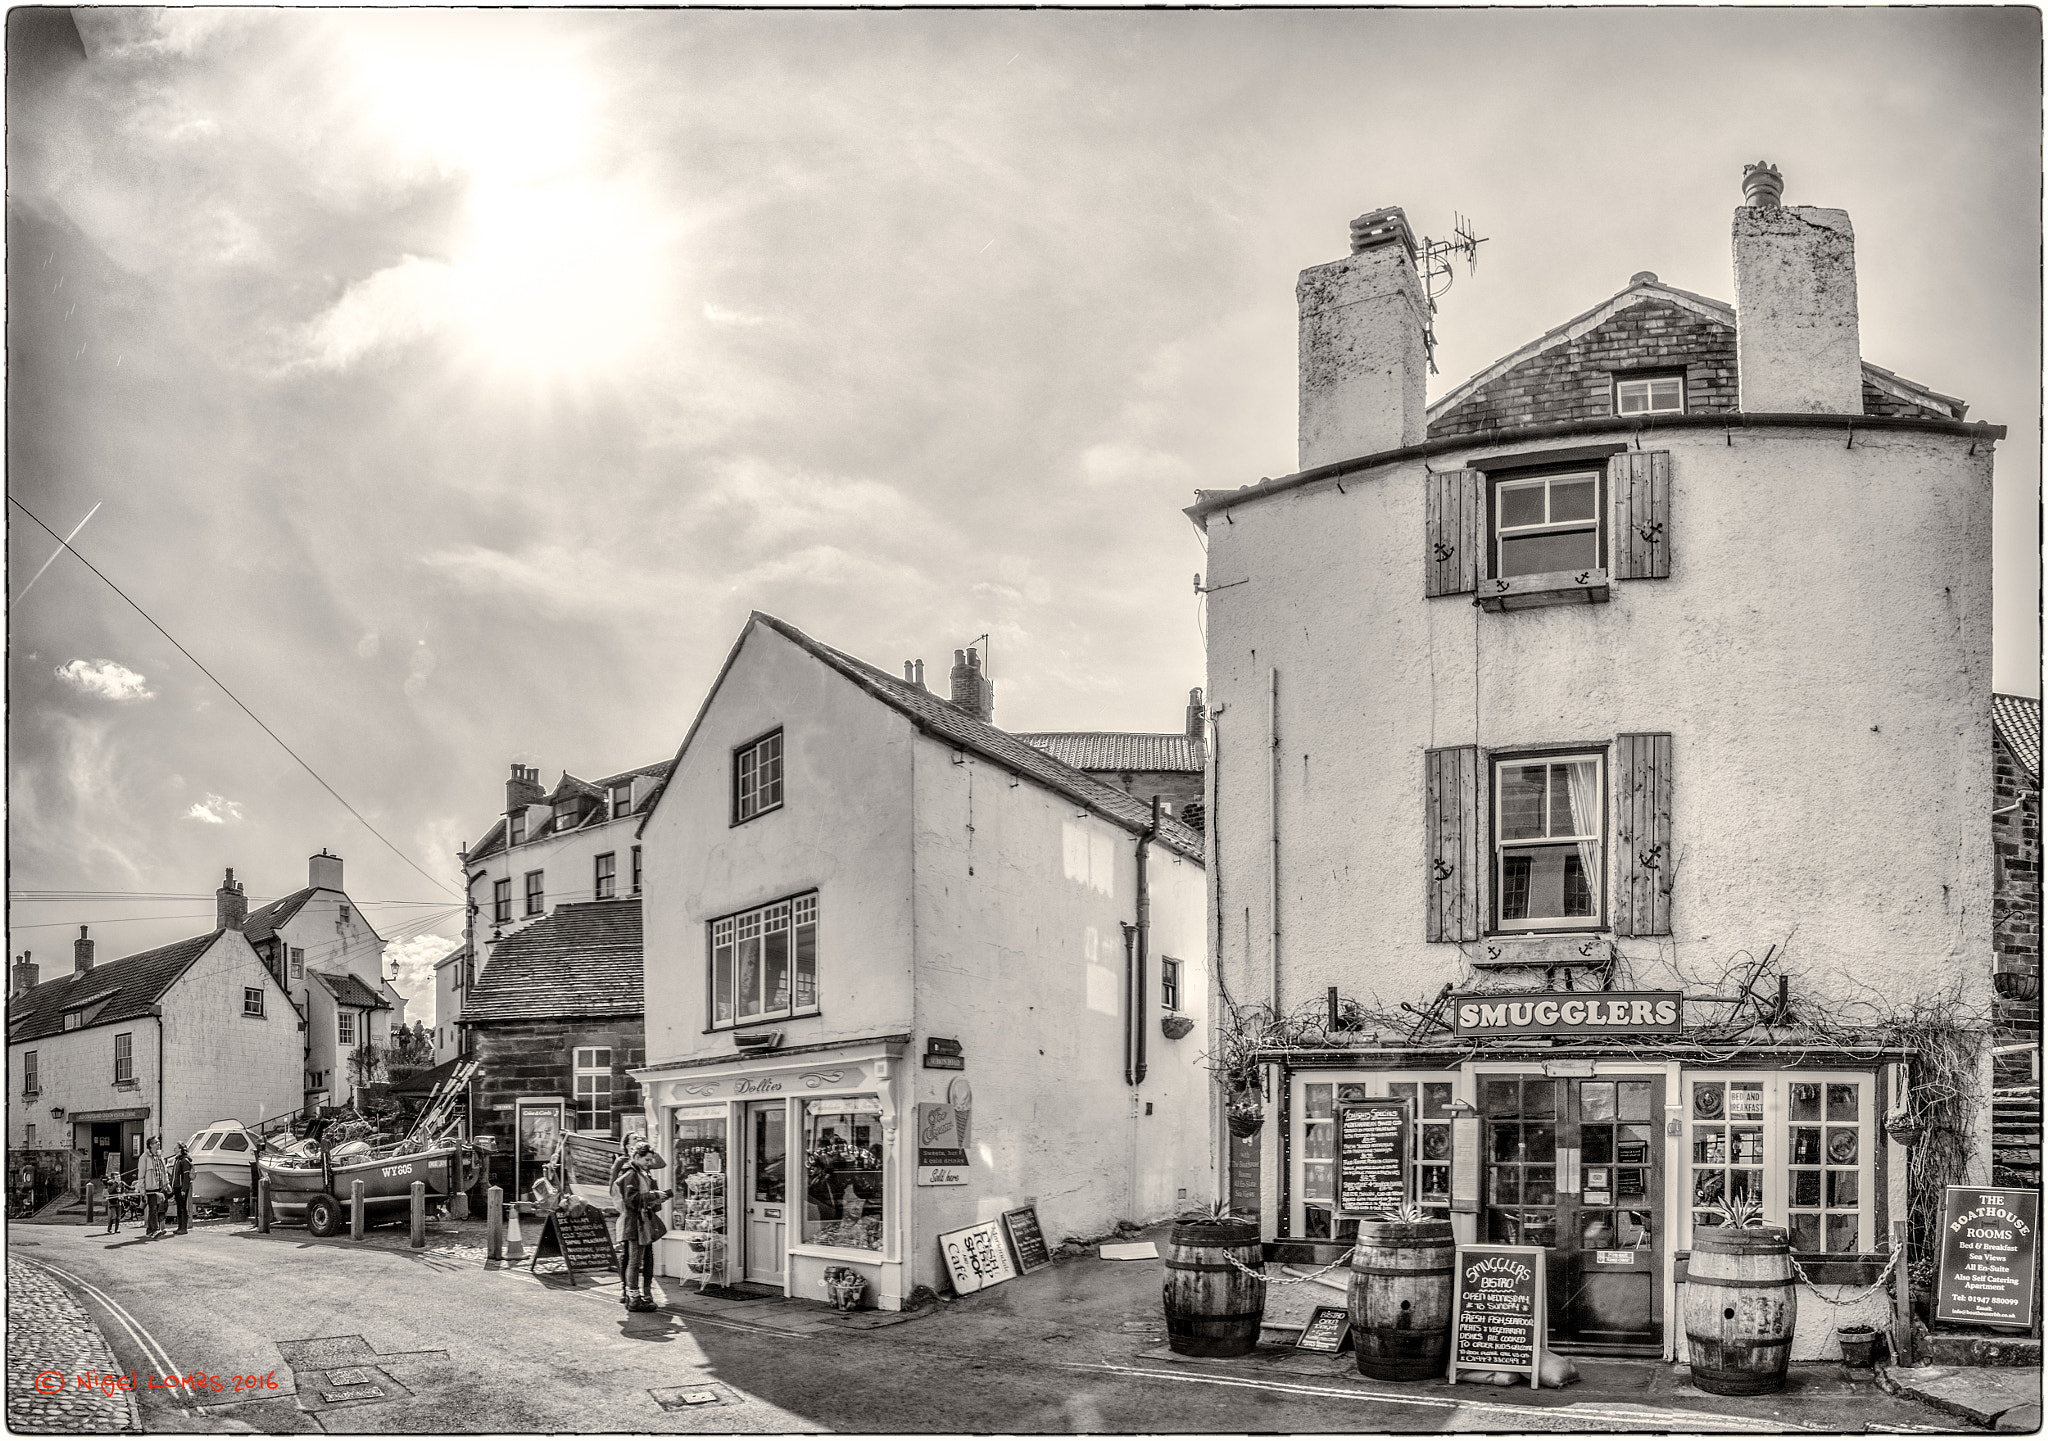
314 1189
221 1155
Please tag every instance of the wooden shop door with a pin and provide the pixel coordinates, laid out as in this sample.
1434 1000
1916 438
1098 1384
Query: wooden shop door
1577 1166
767 1191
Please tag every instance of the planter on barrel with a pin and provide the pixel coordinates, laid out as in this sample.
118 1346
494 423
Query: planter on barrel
1400 1298
1739 1307
1215 1288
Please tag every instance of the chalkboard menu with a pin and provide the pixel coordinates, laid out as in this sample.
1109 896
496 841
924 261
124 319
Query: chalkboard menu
1026 1239
581 1242
1372 1156
1328 1329
1497 1310
1990 1249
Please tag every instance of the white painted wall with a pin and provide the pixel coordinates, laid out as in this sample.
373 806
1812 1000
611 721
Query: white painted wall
568 866
844 829
334 944
1020 957
1820 652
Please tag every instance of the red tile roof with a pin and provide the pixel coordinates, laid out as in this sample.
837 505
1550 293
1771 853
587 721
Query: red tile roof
1118 750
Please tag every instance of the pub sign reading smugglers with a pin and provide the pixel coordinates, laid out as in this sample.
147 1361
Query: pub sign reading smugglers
1570 1013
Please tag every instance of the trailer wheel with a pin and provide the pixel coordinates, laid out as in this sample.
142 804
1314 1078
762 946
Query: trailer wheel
324 1216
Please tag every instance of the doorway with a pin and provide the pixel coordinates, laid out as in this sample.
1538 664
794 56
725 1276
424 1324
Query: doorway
106 1147
767 1182
1577 1166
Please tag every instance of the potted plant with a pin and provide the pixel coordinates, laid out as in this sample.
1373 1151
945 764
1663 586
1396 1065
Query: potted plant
1857 1344
1739 1305
844 1287
1904 1127
1247 1113
1400 1294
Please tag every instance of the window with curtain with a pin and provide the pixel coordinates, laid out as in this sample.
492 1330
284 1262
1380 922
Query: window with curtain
1550 866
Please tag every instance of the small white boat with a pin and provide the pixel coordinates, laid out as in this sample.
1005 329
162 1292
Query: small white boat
221 1155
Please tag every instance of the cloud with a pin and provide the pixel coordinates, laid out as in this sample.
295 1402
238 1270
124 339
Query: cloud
105 678
215 810
584 583
413 961
385 311
368 646
719 315
418 669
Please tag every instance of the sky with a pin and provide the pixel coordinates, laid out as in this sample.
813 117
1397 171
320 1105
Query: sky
452 385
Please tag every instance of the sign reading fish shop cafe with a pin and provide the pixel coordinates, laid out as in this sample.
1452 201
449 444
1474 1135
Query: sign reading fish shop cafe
1570 1013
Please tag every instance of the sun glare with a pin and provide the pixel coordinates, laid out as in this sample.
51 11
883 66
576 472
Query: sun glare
557 268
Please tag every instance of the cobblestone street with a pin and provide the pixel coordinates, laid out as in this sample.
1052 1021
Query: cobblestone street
49 1330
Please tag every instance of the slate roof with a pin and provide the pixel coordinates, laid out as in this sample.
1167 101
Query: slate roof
262 924
582 959
133 983
597 815
1119 750
2018 718
350 990
1885 392
938 717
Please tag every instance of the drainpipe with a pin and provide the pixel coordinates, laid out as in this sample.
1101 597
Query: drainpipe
1139 1008
1130 1001
1273 814
158 1012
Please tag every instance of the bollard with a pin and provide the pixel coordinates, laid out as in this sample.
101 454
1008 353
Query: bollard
458 1206
263 1205
90 1190
515 1243
355 1210
419 1215
494 1225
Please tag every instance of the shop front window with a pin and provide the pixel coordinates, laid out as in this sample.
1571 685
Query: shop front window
1315 1148
697 1147
1797 1144
843 1165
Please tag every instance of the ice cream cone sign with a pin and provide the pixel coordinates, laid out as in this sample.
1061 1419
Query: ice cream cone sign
960 1096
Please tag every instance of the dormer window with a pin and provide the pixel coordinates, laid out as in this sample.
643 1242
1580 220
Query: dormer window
518 826
1649 394
622 800
565 813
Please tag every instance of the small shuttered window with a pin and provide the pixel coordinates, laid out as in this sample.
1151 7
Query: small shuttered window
1451 827
1640 481
1642 834
1456 539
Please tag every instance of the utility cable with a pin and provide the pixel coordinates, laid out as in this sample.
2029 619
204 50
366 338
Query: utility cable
233 697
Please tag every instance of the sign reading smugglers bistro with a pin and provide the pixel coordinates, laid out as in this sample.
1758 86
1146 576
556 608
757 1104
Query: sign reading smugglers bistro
1570 1013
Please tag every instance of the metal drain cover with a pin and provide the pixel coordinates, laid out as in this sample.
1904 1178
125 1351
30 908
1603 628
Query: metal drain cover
683 1398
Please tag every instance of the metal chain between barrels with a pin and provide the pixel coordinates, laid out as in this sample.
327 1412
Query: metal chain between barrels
1343 1260
1807 1281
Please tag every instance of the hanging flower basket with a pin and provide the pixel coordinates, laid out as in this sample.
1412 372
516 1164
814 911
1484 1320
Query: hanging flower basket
1176 1026
2016 985
1904 1130
1246 1123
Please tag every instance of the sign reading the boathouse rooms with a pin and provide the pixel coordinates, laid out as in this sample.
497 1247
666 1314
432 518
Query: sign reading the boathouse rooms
1990 1248
1569 1013
1498 1311
1372 1156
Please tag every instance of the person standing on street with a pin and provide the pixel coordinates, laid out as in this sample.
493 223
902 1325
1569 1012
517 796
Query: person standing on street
181 1186
154 1182
640 1226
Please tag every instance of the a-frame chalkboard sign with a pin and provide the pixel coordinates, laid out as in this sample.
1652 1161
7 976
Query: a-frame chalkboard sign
581 1242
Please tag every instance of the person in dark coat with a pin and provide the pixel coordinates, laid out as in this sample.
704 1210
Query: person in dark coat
181 1186
155 1183
640 1226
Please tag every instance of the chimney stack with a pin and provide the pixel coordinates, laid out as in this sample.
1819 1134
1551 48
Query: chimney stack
1797 347
81 952
26 976
1363 363
324 871
913 673
231 904
973 692
1198 715
524 789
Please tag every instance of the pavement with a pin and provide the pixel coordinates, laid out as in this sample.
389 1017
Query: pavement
287 1333
2001 1398
50 1333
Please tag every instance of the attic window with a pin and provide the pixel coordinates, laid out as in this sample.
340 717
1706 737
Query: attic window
86 1014
1649 394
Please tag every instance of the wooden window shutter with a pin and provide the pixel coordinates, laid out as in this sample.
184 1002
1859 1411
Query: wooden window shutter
1642 834
1641 482
1457 531
1451 798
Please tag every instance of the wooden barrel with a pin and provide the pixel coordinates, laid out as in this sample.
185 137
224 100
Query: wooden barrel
1213 1307
1400 1298
1739 1306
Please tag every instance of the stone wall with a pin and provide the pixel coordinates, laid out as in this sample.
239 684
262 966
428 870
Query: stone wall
2016 901
523 1059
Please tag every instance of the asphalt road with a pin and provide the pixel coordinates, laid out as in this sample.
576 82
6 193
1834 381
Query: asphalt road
374 1338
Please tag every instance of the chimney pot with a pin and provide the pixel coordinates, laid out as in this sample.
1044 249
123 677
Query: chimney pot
231 906
1363 364
524 789
1762 185
1197 715
81 952
973 692
26 976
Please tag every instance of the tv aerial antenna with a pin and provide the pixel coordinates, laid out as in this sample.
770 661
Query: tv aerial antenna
1436 265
